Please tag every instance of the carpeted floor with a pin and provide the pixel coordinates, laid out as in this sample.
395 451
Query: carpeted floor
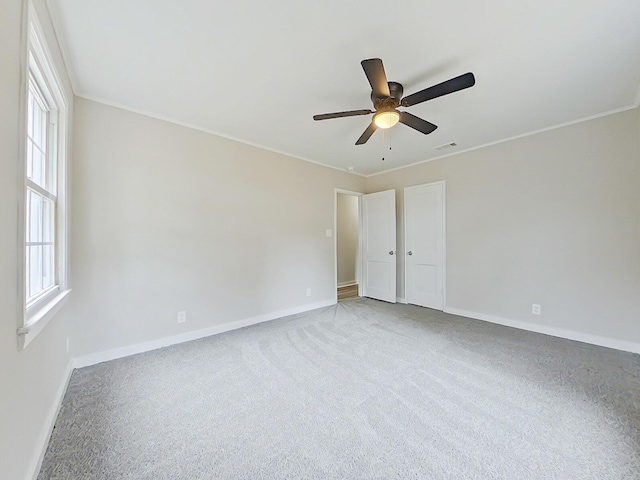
360 390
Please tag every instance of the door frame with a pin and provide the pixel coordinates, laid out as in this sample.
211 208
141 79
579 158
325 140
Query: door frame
335 239
444 237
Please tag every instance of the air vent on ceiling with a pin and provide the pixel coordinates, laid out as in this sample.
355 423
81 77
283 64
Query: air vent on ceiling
446 146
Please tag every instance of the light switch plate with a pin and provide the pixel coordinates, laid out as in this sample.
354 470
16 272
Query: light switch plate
329 233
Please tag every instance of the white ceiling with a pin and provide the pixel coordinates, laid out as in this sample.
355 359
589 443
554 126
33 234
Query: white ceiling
258 71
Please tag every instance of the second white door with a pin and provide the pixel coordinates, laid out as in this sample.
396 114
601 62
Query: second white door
424 245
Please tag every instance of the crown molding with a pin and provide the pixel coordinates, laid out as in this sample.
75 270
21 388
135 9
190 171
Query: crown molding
515 137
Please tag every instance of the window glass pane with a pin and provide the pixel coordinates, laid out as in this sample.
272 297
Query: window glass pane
37 124
29 159
38 113
38 167
34 281
40 237
28 271
41 140
30 115
47 220
34 217
47 266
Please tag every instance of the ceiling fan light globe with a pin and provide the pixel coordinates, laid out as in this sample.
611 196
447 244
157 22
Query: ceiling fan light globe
386 119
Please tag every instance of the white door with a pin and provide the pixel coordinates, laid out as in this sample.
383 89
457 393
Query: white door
379 240
424 245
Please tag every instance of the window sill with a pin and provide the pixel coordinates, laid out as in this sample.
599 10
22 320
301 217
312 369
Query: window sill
36 322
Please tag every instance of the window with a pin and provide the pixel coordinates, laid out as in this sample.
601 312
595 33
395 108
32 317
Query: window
43 201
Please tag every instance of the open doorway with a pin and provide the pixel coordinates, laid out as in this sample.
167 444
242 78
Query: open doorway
347 244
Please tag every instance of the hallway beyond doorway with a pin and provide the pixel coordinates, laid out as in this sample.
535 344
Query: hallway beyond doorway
350 291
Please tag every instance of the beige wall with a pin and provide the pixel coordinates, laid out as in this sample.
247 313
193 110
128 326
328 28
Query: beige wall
347 238
552 218
31 378
169 219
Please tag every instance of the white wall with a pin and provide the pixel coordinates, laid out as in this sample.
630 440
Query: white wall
552 218
347 238
168 219
29 379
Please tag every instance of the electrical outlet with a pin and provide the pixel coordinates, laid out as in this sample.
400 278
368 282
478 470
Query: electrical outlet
308 292
536 309
329 233
182 317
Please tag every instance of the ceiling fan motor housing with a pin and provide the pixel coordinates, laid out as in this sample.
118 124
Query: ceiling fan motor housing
393 101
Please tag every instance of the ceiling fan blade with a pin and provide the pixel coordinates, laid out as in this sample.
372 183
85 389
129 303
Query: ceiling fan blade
367 134
374 70
351 113
417 123
458 83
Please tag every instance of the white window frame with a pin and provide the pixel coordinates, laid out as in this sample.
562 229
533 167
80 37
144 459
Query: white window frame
39 67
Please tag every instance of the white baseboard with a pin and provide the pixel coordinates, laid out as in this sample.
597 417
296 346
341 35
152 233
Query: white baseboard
553 331
49 423
107 355
347 284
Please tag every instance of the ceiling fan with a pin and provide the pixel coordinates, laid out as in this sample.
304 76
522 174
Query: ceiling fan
387 97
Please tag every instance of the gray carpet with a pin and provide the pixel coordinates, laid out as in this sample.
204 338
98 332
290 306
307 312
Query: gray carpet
361 390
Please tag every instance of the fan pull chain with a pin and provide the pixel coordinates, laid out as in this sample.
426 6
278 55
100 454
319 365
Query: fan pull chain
383 135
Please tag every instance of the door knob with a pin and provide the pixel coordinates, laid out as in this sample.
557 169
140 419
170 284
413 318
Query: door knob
391 252
409 252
